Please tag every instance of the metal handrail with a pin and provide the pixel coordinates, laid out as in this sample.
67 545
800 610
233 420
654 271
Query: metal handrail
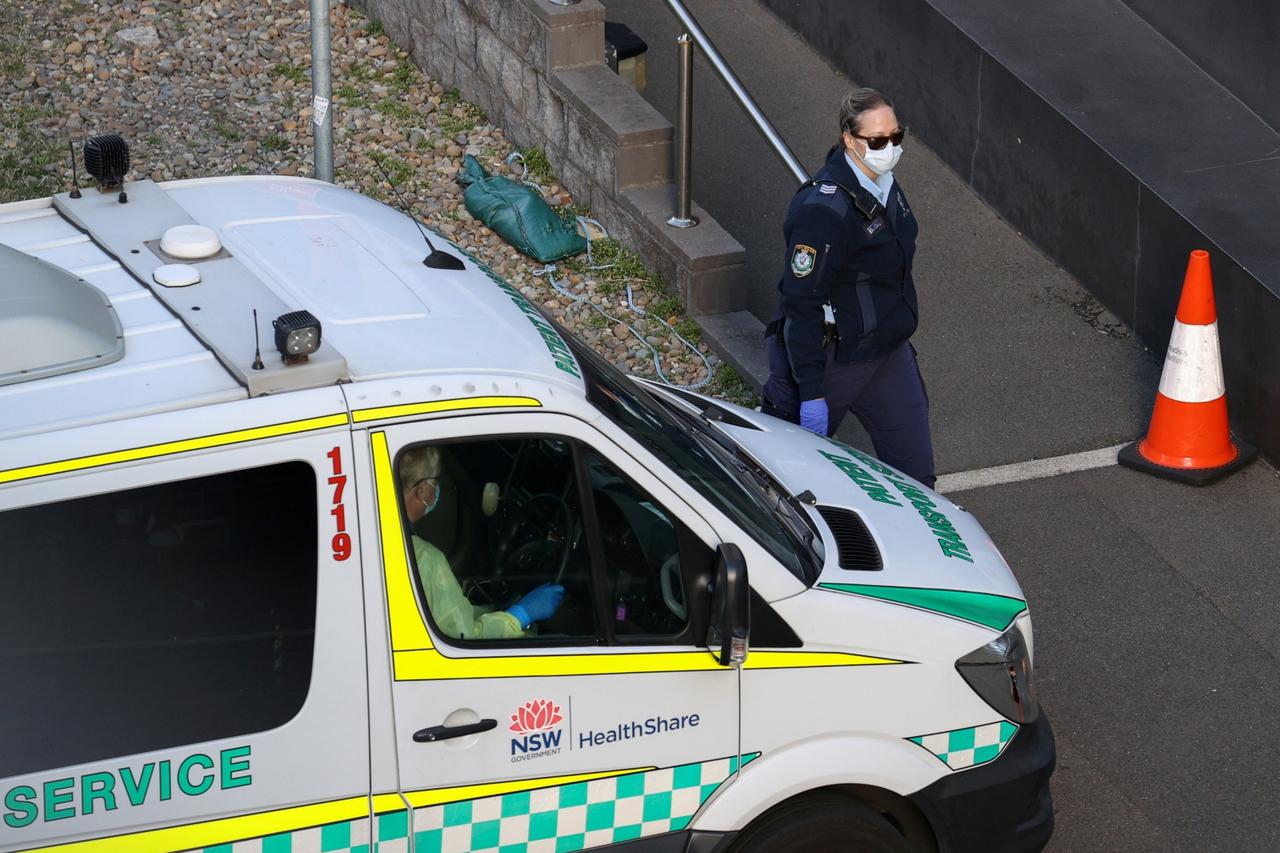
684 217
739 92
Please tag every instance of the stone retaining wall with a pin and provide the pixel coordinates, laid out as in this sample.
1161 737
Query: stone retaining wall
537 70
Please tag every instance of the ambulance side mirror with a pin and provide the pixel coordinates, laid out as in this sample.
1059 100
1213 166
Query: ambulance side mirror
730 624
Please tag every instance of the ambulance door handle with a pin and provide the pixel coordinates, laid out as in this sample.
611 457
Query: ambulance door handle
435 733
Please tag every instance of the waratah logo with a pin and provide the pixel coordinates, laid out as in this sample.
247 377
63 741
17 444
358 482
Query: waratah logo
536 716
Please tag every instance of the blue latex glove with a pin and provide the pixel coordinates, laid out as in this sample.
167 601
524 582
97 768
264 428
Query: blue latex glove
814 415
538 603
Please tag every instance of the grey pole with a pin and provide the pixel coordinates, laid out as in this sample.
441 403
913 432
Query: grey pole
321 90
740 94
684 217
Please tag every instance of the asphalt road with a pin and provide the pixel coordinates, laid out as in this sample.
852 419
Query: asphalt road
1157 640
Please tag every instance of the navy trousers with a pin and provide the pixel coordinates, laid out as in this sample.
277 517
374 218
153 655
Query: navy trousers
886 395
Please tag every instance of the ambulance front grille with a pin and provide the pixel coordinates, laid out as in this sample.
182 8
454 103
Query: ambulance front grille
858 551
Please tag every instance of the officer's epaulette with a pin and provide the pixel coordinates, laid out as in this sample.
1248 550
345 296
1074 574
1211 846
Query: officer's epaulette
863 201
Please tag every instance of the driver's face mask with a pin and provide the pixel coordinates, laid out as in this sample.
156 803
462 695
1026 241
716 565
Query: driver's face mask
435 496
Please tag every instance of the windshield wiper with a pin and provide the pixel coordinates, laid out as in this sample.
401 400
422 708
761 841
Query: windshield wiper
786 506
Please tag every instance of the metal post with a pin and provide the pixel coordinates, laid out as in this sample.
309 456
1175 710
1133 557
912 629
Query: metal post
739 92
684 217
321 90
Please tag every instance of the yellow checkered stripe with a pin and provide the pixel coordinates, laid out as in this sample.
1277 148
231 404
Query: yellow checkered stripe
339 825
547 815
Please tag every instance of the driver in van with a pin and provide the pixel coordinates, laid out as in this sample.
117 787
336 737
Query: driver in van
453 613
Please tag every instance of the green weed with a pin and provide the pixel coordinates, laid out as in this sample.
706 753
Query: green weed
666 308
399 170
15 43
37 165
274 142
728 384
688 329
373 29
453 125
350 97
539 166
359 71
25 172
294 73
403 78
394 109
570 212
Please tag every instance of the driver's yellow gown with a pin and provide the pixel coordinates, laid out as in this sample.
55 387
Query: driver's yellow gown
453 613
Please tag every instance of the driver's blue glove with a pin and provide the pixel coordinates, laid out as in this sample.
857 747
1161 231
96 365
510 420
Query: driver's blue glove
814 415
538 603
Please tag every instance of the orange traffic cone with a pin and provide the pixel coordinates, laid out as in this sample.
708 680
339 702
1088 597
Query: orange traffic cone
1188 439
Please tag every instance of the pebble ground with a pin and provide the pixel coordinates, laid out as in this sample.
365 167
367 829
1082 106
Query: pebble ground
222 87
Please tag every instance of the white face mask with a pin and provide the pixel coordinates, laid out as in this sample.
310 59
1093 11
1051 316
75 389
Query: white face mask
883 160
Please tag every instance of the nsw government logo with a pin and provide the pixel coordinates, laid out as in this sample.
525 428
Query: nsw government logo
537 730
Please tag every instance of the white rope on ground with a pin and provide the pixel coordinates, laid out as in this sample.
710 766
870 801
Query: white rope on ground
524 177
550 272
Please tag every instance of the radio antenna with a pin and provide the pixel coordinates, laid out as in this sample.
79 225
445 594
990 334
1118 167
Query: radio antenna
257 348
75 178
437 259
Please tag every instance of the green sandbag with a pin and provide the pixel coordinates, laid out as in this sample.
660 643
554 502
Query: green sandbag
518 214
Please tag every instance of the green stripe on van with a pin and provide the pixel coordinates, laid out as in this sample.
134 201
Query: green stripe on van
984 608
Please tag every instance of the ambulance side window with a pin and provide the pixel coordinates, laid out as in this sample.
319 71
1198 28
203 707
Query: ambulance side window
157 616
505 518
641 556
491 521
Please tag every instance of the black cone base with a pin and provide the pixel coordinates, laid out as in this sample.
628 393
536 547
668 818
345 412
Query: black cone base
1129 457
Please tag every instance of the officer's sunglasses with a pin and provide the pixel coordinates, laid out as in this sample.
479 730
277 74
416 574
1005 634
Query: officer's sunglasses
875 143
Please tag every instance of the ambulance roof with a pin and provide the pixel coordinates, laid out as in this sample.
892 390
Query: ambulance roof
287 244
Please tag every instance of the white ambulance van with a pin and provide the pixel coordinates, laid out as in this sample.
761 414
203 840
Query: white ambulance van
280 506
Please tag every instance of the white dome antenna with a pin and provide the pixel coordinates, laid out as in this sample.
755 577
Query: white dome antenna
190 242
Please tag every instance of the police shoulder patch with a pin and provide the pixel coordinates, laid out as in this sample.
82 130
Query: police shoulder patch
802 260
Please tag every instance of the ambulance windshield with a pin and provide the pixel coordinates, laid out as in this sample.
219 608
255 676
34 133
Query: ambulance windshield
649 423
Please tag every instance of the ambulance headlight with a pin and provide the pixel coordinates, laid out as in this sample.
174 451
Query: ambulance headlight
297 334
1000 672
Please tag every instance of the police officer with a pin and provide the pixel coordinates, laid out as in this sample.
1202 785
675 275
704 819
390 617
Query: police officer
839 342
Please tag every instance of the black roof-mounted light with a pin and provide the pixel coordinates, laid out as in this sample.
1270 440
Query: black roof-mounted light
297 335
106 158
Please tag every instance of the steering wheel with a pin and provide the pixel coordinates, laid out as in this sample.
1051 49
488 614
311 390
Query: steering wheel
672 588
534 521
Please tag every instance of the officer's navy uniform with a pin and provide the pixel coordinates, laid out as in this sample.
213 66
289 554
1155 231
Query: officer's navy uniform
848 249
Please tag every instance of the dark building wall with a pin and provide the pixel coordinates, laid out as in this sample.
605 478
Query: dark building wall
1236 41
1078 123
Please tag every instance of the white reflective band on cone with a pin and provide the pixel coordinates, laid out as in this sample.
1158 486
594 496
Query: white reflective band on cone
1193 368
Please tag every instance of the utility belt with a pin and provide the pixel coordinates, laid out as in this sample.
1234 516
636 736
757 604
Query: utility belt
830 331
